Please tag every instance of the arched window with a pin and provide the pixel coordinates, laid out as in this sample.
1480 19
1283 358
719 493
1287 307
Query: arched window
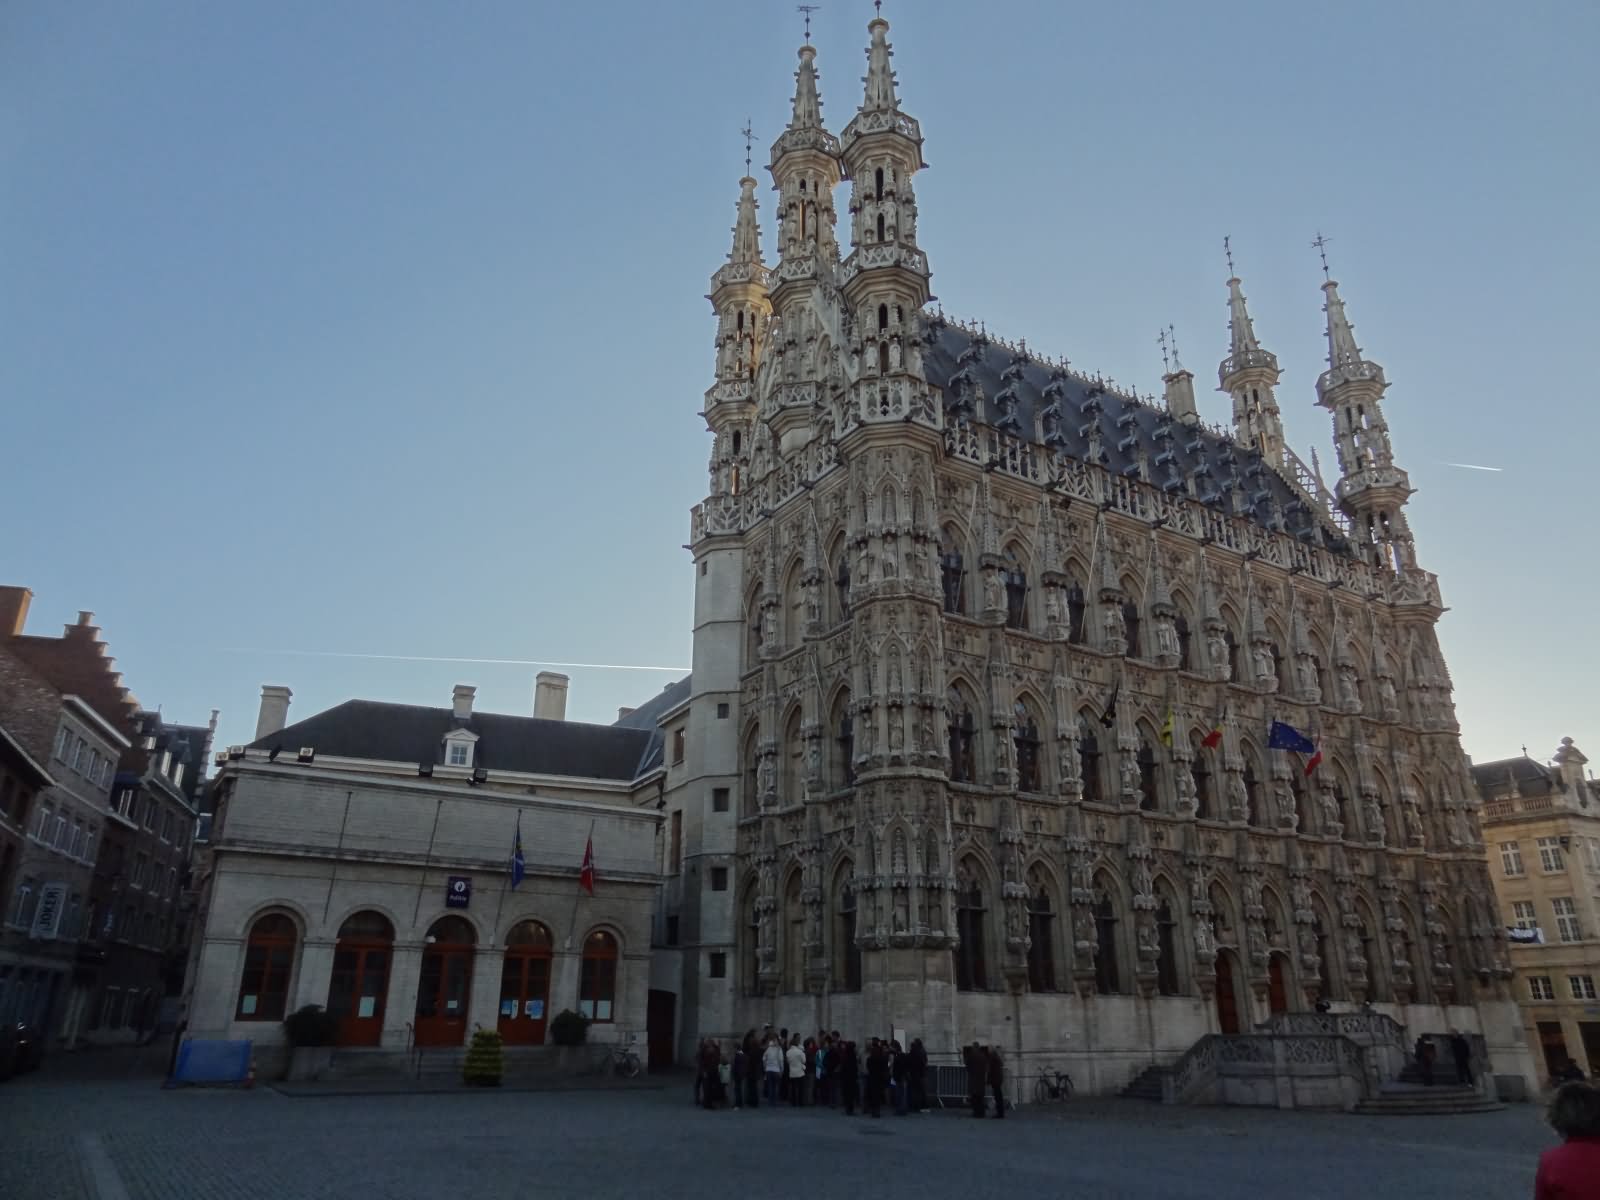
883 314
1200 772
962 767
1016 578
752 943
953 575
1232 643
794 936
846 954
794 759
1089 760
1280 667
1319 930
971 969
794 600
750 802
1302 809
877 191
847 745
1184 636
1075 614
1348 816
880 227
1041 939
1130 628
752 616
1149 791
1167 950
841 584
1025 738
597 980
1107 977
883 358
268 963
1252 792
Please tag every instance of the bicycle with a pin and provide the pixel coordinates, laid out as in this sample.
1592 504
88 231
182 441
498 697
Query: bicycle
619 1059
1052 1085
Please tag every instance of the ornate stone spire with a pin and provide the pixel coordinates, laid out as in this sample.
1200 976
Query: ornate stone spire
1249 374
739 298
879 79
805 169
807 111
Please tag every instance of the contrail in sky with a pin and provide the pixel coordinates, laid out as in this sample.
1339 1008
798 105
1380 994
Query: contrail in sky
504 662
1473 467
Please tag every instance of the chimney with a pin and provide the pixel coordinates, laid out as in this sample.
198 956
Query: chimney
624 712
1180 396
14 603
274 710
550 695
461 702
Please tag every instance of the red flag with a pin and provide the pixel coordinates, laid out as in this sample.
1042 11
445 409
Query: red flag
1213 739
1316 757
586 872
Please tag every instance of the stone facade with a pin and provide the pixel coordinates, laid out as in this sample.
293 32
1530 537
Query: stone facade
986 652
1541 826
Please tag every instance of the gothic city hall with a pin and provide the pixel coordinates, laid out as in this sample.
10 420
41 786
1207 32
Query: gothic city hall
1029 711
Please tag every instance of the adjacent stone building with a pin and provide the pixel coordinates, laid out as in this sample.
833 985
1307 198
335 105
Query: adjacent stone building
986 652
1541 825
360 859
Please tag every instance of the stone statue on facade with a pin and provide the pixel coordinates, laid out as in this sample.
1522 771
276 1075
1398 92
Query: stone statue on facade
1217 653
1349 690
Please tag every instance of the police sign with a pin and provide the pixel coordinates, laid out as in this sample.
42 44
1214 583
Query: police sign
457 891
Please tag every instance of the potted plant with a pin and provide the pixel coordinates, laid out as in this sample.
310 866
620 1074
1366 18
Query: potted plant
485 1062
311 1032
569 1031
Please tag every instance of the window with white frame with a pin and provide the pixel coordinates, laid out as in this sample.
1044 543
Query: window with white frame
166 827
91 761
1551 860
78 748
1511 858
1582 986
166 763
1523 915
41 828
1566 919
23 901
88 846
59 841
459 754
1539 988
150 814
63 742
1594 855
177 776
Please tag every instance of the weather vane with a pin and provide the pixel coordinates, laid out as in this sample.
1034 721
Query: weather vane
1172 336
1227 250
748 134
1321 243
1161 340
807 9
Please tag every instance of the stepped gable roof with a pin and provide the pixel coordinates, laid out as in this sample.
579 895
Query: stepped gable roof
408 733
1037 402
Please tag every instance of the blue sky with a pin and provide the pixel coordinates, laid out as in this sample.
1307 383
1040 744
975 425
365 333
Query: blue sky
379 328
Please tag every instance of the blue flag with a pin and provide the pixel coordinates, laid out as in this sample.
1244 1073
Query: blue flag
518 866
1287 737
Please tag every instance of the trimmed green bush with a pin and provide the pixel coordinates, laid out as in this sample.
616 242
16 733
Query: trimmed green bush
485 1062
569 1029
312 1025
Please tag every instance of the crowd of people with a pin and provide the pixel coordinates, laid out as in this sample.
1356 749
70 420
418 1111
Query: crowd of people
827 1070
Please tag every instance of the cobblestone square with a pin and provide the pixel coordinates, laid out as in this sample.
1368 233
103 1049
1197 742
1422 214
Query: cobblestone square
101 1129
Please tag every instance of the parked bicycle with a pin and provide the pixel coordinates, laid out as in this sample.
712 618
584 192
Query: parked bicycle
620 1059
1052 1086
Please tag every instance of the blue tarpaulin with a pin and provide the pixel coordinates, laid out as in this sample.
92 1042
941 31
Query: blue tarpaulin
212 1062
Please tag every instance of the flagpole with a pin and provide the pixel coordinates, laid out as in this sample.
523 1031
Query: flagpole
506 886
572 925
427 859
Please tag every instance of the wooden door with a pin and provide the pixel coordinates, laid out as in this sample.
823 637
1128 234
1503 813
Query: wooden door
524 996
1277 990
1227 999
442 995
358 990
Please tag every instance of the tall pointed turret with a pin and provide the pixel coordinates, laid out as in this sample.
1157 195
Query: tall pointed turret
739 297
1371 489
1249 374
805 170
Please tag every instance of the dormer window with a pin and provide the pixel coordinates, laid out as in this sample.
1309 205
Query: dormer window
459 748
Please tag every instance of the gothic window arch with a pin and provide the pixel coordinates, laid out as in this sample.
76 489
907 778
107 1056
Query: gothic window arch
1041 931
880 228
842 723
883 309
1108 950
1200 771
1273 919
972 969
750 801
953 572
846 954
1225 919
794 760
1344 800
1254 792
1149 773
839 557
1230 641
1169 969
1413 953
794 606
1180 626
753 621
1131 623
1089 756
1016 583
1305 818
1025 741
1368 934
1076 603
750 949
794 935
961 728
1322 925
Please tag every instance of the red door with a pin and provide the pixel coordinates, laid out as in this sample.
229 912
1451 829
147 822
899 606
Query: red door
357 991
1227 1000
524 995
442 995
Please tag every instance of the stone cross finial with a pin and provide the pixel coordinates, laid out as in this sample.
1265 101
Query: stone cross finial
807 10
749 132
1321 245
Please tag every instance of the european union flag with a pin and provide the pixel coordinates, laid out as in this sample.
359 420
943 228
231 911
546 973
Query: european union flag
518 866
1287 737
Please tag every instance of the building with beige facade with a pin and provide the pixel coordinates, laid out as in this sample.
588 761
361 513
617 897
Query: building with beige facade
986 653
1541 828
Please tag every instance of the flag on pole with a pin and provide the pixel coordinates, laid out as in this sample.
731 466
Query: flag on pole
519 866
1213 739
1109 717
1316 758
586 872
1166 730
1287 737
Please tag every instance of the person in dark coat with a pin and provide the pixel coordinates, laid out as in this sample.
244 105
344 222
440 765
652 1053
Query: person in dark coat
997 1081
900 1078
918 1069
877 1077
752 1070
977 1064
711 1073
1425 1053
1461 1051
849 1078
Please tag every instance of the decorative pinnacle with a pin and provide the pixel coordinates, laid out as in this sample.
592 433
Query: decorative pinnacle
1227 251
807 9
749 133
1321 245
1161 340
1172 336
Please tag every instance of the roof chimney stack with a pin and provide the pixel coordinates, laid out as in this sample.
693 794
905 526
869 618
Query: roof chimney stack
461 702
274 710
14 603
624 712
550 695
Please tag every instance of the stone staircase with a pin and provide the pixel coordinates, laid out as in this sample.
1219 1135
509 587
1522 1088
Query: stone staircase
1417 1099
1146 1085
437 1066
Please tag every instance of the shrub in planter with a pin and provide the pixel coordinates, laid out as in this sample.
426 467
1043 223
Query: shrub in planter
569 1029
485 1062
312 1025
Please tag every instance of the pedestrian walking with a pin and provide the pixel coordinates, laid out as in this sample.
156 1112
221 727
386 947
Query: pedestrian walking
877 1077
1571 1171
1461 1051
752 1070
977 1065
997 1081
849 1078
900 1078
917 1072
772 1064
795 1057
1424 1051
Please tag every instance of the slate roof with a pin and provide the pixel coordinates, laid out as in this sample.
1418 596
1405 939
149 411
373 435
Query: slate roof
1532 778
648 715
407 733
1038 403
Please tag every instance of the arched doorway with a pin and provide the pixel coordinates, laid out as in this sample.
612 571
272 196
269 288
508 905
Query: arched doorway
1277 985
525 984
1227 996
360 981
445 986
